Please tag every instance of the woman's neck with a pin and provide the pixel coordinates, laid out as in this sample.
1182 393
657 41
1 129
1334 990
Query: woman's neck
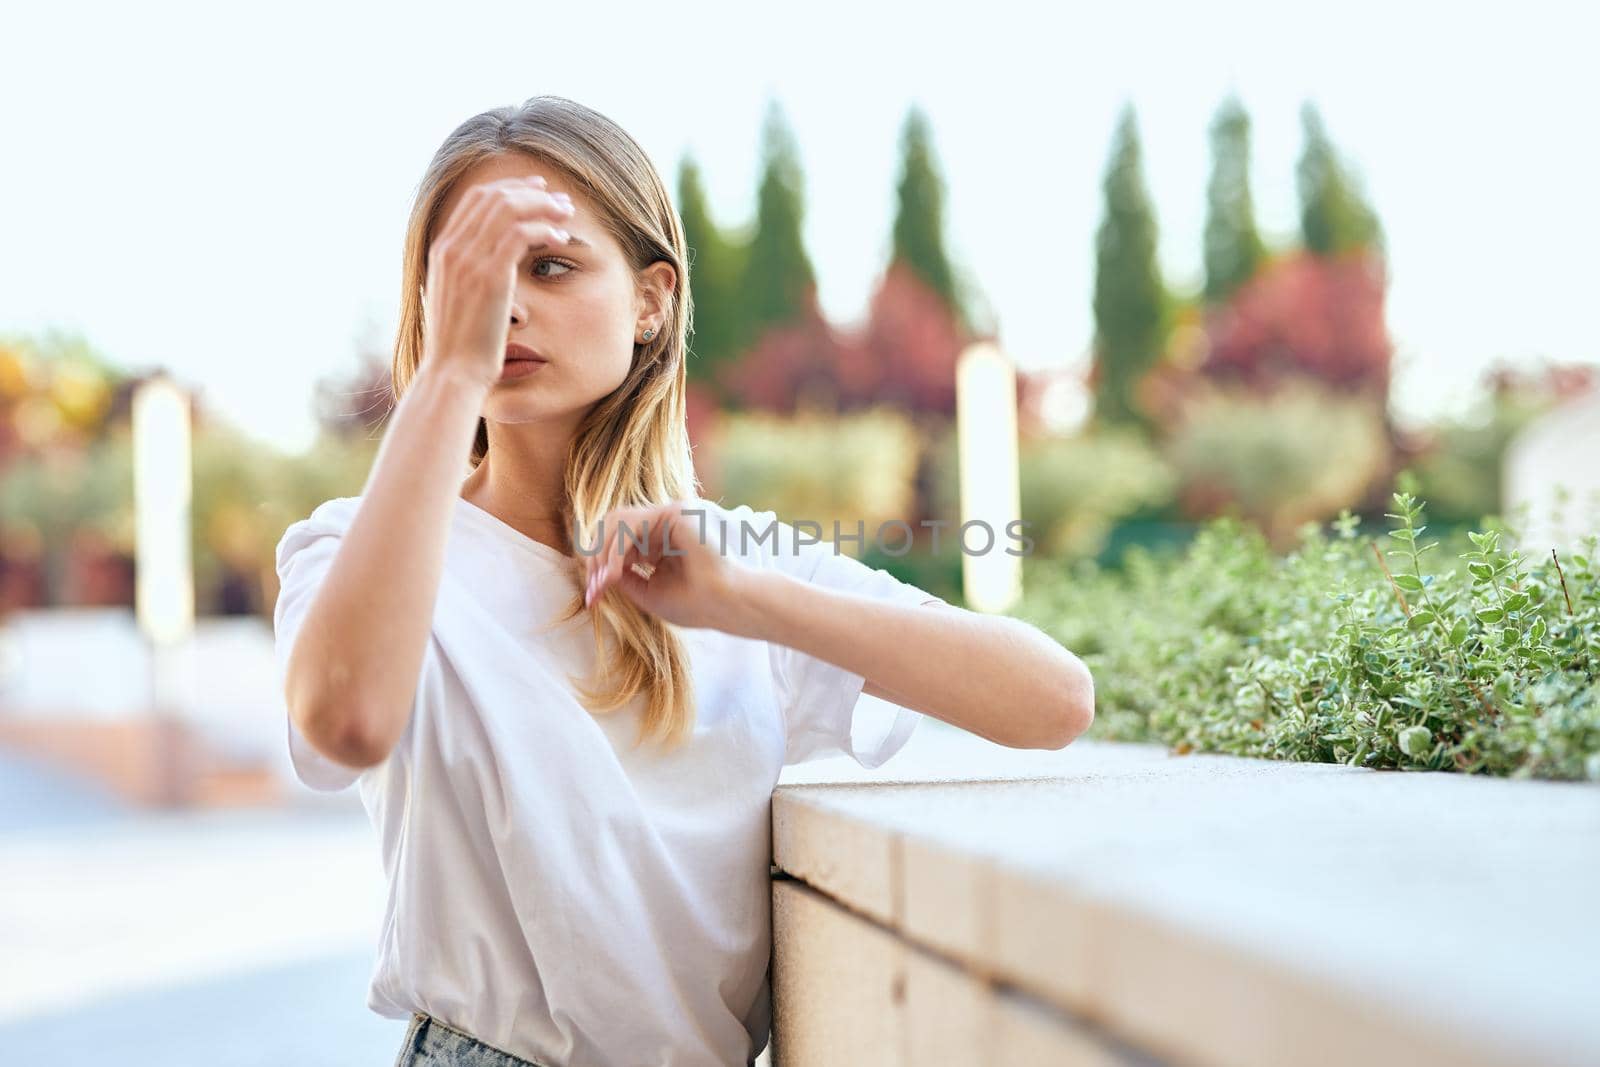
527 495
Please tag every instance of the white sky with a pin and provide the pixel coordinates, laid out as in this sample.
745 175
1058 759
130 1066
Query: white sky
225 192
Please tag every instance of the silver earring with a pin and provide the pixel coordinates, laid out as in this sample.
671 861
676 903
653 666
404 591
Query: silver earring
649 334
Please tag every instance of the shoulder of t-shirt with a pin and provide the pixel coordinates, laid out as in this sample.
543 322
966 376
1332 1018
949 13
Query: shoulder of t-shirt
329 518
744 530
762 539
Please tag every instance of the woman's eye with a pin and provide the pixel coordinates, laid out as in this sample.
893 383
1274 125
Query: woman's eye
565 267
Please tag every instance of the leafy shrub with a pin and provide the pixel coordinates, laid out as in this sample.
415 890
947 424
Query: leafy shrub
1342 651
1073 489
1281 461
817 466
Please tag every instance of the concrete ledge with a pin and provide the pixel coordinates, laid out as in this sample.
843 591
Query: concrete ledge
1194 909
866 997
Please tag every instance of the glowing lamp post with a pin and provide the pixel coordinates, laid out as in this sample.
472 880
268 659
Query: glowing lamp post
164 578
986 432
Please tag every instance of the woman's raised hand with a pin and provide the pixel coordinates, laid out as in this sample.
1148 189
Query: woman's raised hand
690 582
472 271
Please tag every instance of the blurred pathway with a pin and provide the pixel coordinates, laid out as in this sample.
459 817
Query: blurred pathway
220 937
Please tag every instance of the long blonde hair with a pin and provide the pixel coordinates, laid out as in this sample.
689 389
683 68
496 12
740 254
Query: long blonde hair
633 448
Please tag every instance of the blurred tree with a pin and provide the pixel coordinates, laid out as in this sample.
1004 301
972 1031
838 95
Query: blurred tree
919 215
56 390
905 354
715 263
1334 214
778 283
1306 316
1233 247
911 345
1129 298
799 363
1316 313
62 489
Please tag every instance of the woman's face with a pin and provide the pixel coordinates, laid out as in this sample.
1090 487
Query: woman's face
577 305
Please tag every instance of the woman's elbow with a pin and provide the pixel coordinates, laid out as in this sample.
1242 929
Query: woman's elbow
345 737
1076 711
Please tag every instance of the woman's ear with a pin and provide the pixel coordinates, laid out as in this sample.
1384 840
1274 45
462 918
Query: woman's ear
659 282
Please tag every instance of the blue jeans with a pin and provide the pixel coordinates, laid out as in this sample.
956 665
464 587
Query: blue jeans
435 1044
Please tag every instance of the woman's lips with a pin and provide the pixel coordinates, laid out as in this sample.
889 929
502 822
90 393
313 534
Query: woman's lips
518 368
520 360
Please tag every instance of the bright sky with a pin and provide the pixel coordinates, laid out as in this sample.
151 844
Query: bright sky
224 192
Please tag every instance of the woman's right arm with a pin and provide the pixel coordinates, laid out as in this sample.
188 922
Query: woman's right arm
353 671
352 674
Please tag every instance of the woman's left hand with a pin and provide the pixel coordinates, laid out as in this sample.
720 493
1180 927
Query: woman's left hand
691 582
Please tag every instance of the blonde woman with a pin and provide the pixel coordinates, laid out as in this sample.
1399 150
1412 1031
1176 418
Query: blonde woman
565 682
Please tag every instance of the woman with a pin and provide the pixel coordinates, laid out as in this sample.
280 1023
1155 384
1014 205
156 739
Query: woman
562 892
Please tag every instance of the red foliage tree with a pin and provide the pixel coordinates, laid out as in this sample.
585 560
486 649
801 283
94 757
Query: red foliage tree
799 361
1305 315
905 356
914 340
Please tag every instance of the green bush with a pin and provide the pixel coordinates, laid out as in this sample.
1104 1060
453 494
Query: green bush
1296 457
819 467
1074 489
1342 650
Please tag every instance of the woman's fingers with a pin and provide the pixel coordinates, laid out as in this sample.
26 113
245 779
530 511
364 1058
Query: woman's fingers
643 529
507 201
629 536
519 237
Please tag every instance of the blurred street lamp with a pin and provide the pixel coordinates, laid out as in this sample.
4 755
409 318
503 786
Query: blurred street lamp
164 578
986 431
162 485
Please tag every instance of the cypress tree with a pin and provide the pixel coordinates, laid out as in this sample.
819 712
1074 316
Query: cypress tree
779 283
919 214
1129 298
714 266
1334 215
1233 248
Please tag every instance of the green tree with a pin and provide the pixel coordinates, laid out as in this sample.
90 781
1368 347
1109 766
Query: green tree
1233 248
1129 298
919 214
779 284
1334 213
715 262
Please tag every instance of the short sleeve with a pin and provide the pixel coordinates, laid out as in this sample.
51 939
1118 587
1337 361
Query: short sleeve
825 712
303 558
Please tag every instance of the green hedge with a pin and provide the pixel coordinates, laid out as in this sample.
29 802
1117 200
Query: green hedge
1376 652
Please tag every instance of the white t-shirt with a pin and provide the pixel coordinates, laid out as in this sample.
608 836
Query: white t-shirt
554 891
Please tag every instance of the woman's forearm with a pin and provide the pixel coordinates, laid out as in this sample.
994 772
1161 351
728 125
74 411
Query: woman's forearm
994 676
353 671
